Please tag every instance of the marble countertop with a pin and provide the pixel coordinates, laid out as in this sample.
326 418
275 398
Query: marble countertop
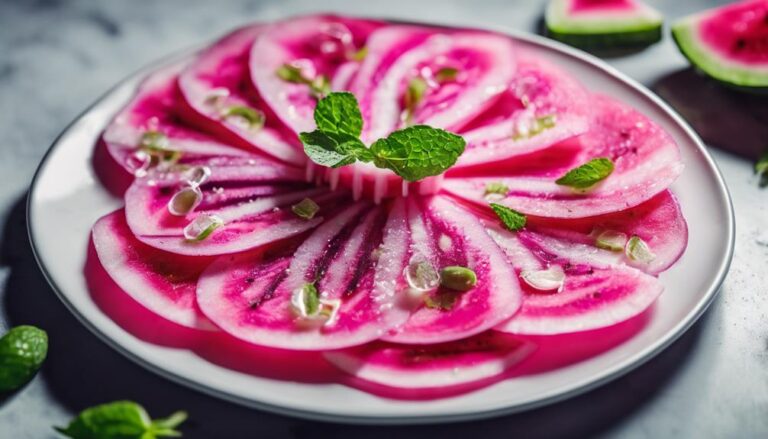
58 56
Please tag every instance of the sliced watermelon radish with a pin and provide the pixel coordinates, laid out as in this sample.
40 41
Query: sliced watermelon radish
646 162
260 300
481 65
162 283
599 24
729 43
323 48
218 97
582 294
658 222
443 366
252 198
447 235
542 106
153 110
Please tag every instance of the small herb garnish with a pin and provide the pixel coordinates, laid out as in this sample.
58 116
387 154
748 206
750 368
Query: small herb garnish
588 174
320 85
306 208
413 153
417 86
252 117
538 126
311 299
512 219
22 351
496 188
638 250
442 300
121 419
445 74
158 147
359 55
761 170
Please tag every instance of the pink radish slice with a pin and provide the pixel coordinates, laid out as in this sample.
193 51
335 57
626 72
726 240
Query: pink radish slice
458 238
484 62
515 124
592 295
658 222
153 108
646 161
163 284
319 45
250 297
442 365
252 198
217 80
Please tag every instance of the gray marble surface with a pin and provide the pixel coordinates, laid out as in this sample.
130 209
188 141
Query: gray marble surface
58 56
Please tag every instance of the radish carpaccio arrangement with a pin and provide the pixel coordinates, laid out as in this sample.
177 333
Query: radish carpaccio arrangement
423 210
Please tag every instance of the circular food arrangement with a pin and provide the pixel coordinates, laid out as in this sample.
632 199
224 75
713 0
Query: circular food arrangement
415 211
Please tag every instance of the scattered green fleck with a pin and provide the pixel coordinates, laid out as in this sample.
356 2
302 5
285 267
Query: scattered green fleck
512 219
320 85
638 250
253 117
761 169
157 145
442 300
446 74
359 55
121 420
588 174
290 73
458 278
611 240
22 351
418 152
496 188
202 227
306 208
540 124
311 299
414 94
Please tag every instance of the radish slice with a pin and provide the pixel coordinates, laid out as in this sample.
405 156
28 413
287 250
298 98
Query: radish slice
646 161
164 285
483 64
218 80
152 109
439 366
320 46
253 200
592 296
658 222
253 298
542 106
459 240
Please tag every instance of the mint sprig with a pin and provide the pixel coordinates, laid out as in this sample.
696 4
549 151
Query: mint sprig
512 219
588 174
22 352
121 419
413 153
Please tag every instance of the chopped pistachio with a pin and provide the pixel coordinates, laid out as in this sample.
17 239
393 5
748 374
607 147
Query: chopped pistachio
306 208
638 250
458 278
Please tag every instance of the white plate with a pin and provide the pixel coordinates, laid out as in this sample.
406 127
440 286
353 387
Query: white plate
66 199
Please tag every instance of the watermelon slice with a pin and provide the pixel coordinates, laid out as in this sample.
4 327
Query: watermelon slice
153 110
729 43
264 301
444 234
322 48
542 106
480 65
563 294
448 367
163 284
218 97
645 157
602 24
253 199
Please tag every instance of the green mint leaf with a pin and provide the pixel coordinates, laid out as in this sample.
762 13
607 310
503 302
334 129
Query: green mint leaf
120 420
417 152
339 113
446 74
22 351
334 149
588 174
512 219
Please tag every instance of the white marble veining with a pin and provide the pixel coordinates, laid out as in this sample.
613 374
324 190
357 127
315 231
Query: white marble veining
57 56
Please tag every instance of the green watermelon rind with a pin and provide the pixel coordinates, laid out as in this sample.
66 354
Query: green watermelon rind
640 27
684 32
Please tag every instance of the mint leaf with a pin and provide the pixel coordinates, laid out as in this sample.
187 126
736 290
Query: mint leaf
120 420
512 219
339 113
417 152
333 149
22 351
588 174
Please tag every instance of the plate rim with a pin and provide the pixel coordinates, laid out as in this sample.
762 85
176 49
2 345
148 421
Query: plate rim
603 377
